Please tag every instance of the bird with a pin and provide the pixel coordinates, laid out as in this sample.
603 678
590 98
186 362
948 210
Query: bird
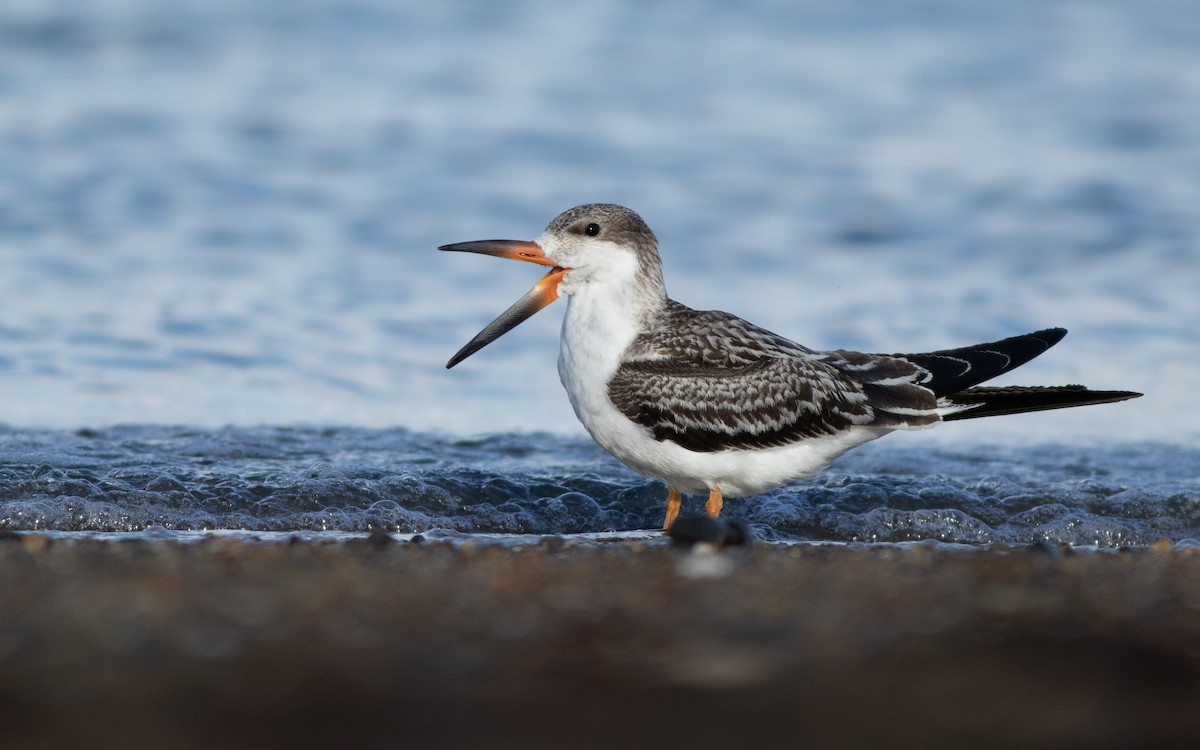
713 404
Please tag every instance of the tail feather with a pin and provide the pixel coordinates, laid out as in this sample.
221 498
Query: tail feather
954 375
994 401
953 371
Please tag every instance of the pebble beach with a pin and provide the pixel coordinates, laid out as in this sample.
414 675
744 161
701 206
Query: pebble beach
373 642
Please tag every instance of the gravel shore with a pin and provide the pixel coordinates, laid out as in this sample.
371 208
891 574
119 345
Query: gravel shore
231 643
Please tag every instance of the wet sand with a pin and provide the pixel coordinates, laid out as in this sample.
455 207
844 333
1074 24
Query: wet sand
230 643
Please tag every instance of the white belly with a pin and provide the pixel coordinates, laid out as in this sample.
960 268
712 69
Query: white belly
594 335
736 472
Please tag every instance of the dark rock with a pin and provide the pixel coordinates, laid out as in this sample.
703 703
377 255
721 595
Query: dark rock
688 531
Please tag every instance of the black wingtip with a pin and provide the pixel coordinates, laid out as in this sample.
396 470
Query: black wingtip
955 370
1051 335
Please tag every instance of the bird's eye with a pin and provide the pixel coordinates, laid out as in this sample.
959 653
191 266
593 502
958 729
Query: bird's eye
591 230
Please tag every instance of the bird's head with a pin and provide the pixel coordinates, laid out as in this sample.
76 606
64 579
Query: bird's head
596 243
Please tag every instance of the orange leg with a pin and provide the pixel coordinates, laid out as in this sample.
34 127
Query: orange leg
715 501
674 500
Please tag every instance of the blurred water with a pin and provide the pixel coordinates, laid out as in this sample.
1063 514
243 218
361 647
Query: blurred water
166 481
225 213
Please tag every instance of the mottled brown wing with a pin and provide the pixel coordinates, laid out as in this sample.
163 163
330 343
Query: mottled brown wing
710 381
770 402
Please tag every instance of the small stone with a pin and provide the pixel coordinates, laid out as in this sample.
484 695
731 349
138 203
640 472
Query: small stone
35 542
379 539
691 530
1043 547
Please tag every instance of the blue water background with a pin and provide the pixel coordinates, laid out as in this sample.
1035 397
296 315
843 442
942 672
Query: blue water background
171 481
218 215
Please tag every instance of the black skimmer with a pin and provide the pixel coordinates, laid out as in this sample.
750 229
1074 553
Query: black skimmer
712 404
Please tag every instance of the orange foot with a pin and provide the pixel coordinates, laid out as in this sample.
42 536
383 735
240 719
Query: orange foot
715 501
674 500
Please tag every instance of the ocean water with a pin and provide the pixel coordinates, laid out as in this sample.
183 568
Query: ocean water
169 481
221 305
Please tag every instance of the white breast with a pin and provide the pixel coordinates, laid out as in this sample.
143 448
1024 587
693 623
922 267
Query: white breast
596 331
597 328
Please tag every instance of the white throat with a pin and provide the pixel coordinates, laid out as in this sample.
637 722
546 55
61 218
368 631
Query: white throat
601 321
